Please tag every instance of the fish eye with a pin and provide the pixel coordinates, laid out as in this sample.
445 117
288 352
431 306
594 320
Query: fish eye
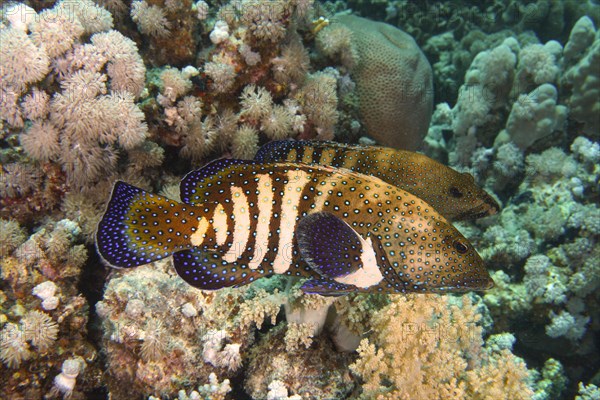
455 192
460 247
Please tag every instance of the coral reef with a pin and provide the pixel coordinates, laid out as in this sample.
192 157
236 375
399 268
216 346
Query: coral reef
510 129
161 335
43 316
146 90
427 347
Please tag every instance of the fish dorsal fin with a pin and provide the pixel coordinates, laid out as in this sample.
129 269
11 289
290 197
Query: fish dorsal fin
329 245
277 150
306 151
209 271
193 184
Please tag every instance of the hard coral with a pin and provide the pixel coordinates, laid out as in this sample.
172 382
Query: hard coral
582 79
393 80
535 116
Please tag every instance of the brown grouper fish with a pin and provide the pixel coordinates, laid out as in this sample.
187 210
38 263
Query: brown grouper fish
453 194
243 220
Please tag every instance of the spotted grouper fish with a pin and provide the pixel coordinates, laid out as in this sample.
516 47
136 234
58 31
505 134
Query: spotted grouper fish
243 220
453 194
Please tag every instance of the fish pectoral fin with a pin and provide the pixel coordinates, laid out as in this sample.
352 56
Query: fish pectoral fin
329 245
209 271
327 287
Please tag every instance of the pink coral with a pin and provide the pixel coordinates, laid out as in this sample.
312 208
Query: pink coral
293 63
21 61
41 141
222 74
150 19
265 19
56 30
125 66
256 102
35 104
278 124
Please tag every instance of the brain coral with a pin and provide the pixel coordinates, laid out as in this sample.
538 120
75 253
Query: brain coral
393 80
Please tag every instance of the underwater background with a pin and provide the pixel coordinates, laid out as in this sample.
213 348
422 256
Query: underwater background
145 91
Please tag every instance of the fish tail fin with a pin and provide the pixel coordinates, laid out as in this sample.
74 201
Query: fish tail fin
140 227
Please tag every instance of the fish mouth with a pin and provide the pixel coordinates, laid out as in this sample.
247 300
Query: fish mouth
486 208
493 206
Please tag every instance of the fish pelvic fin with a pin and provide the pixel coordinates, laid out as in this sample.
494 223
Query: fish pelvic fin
139 227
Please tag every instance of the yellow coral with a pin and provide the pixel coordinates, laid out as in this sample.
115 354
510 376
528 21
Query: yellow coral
298 335
259 308
421 347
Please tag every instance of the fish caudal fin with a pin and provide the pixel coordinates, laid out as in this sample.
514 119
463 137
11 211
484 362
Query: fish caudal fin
139 227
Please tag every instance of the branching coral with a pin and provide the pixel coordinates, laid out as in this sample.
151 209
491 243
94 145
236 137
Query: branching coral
420 347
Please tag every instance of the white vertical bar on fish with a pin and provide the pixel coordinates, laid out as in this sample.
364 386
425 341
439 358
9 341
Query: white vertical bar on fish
241 222
265 210
370 274
220 224
289 213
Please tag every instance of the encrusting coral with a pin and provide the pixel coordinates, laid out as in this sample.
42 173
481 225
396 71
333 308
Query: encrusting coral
393 78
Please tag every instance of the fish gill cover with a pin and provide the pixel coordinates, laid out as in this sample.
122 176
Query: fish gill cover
143 92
